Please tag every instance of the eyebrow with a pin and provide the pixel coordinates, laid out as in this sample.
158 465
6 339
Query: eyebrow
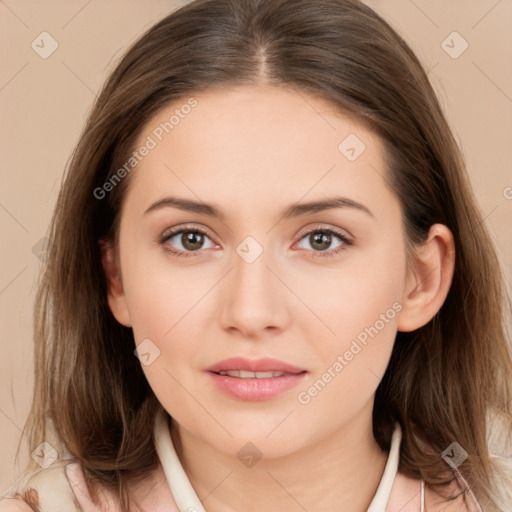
291 211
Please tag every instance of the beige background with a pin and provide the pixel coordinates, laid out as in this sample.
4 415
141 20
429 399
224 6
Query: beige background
44 103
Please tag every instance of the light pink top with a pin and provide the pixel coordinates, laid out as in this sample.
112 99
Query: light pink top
62 487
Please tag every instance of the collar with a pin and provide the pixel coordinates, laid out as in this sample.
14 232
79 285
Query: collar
188 501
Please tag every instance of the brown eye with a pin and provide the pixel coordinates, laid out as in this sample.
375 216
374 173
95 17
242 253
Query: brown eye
192 240
321 240
183 241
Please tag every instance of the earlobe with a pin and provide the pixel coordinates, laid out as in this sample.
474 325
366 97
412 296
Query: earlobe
115 292
429 280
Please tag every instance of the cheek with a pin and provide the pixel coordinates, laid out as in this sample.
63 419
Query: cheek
350 367
362 291
166 310
162 296
359 303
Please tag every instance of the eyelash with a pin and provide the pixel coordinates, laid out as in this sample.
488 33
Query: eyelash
187 254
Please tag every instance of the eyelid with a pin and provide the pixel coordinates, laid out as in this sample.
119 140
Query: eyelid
170 232
319 226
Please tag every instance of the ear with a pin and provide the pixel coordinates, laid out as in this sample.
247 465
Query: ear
115 292
429 280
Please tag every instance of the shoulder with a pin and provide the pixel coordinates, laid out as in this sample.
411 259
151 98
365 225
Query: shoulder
59 488
406 497
463 499
62 487
460 503
14 505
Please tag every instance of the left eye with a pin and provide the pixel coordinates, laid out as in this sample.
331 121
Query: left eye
320 241
189 240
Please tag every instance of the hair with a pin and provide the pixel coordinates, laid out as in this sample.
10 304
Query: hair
446 381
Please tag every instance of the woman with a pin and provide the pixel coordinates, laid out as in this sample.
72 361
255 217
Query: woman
269 285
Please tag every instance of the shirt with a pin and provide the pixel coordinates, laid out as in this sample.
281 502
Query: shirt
61 487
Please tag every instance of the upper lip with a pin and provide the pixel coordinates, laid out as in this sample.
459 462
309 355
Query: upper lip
265 364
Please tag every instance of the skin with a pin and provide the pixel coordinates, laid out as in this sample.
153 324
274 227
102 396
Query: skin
253 151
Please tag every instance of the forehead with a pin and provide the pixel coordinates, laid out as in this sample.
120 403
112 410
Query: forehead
235 143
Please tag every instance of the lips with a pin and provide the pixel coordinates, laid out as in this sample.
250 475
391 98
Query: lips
251 380
245 374
255 366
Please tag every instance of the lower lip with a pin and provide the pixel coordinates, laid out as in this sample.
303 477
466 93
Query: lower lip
255 389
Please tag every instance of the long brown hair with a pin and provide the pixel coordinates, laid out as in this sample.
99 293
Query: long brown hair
445 381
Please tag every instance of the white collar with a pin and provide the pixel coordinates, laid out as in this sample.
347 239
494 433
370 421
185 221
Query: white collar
188 501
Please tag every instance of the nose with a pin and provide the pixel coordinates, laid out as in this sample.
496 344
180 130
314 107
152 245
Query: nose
254 302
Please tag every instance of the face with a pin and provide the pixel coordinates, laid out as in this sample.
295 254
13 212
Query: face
220 258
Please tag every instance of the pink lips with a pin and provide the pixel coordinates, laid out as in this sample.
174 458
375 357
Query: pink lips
254 365
255 388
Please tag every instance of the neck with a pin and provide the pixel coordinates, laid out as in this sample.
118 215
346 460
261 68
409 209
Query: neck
348 464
